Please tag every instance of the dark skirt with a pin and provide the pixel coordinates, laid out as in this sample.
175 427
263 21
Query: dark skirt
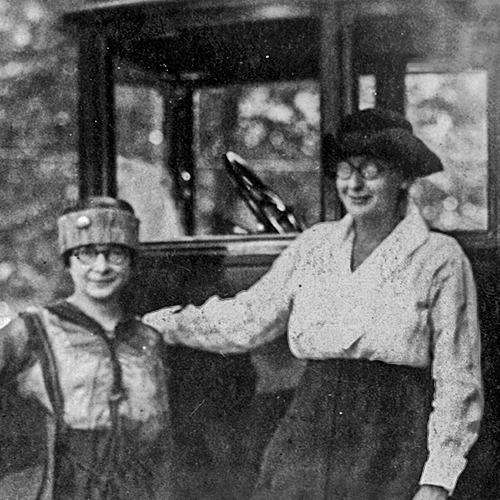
91 466
356 430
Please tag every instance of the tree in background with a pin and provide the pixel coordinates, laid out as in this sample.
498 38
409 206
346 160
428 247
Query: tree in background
37 146
38 130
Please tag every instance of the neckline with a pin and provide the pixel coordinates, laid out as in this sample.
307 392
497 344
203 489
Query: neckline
408 234
72 313
375 249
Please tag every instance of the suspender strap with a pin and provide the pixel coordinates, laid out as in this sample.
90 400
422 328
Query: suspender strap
54 424
40 338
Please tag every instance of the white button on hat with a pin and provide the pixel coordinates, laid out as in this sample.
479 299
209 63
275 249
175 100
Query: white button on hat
83 222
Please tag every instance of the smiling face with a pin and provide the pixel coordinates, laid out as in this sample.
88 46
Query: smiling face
369 195
97 278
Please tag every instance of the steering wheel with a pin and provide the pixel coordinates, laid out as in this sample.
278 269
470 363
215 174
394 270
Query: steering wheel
265 204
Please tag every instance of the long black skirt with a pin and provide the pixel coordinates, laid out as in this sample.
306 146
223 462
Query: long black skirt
356 430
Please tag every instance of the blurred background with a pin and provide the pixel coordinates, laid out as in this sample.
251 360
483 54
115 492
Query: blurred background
275 126
37 147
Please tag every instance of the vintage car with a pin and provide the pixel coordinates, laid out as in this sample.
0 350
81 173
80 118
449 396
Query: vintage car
215 120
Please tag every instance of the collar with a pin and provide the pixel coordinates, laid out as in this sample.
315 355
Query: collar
69 312
410 234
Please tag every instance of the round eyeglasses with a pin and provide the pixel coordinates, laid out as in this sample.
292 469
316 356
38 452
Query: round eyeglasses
114 254
367 169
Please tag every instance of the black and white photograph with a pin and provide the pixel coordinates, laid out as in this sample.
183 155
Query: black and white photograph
250 250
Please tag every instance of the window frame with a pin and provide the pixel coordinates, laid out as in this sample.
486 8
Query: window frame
98 33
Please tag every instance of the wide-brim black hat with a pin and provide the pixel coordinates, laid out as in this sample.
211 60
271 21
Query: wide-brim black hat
386 135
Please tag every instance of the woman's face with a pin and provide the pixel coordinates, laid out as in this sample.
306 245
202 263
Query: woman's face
369 188
100 272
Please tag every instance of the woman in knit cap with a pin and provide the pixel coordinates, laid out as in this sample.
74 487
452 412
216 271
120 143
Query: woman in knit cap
96 370
384 312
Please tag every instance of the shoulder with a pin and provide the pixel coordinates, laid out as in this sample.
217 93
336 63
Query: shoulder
324 233
326 228
444 246
15 328
146 331
16 342
20 322
443 256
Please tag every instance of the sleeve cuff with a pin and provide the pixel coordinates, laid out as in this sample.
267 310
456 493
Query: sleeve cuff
443 472
161 320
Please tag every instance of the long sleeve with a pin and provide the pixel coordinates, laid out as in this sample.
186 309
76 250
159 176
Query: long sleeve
13 348
254 317
456 368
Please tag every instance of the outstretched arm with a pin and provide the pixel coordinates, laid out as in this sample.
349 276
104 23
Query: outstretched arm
253 317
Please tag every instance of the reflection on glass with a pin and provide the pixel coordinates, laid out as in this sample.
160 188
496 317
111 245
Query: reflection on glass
276 128
367 91
449 113
142 178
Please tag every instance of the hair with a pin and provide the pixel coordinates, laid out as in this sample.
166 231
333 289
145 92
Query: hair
99 202
404 193
404 196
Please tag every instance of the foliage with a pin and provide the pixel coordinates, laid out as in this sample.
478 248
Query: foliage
37 146
38 130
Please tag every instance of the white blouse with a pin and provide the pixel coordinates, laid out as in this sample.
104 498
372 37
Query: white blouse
411 302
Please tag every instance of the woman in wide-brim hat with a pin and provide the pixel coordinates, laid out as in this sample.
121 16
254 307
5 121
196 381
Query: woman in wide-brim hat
384 311
95 370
